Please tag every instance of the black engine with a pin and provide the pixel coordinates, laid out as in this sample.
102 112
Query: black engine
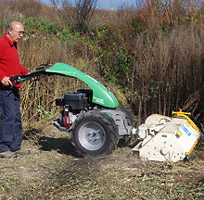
73 104
76 101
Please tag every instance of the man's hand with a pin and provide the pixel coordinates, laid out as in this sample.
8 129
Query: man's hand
6 81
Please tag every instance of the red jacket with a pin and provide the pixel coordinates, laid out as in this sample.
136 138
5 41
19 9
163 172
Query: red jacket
9 60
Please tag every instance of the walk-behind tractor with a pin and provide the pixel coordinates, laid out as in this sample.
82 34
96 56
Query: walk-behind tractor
97 122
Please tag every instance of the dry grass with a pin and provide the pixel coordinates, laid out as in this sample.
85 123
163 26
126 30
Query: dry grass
55 171
155 59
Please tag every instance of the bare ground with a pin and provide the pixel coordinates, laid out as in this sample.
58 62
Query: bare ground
54 170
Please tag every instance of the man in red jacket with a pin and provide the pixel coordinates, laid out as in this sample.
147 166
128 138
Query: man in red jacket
10 122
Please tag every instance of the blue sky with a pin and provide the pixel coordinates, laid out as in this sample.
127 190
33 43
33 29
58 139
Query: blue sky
107 4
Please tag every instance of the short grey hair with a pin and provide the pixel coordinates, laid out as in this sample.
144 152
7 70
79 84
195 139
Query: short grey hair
10 26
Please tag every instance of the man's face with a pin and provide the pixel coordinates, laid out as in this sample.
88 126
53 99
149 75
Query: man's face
16 32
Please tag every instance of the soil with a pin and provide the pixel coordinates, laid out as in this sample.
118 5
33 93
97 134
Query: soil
54 170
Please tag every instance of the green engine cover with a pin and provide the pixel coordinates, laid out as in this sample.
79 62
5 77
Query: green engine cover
101 95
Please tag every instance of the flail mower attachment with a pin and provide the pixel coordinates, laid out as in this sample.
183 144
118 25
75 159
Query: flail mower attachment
167 138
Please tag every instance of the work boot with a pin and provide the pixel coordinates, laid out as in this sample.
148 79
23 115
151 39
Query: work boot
8 154
22 152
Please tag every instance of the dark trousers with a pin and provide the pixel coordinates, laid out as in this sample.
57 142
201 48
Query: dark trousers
10 122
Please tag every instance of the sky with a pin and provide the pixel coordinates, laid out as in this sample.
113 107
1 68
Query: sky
107 4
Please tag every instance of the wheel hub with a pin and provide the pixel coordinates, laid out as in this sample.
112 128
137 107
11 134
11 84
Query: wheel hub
92 136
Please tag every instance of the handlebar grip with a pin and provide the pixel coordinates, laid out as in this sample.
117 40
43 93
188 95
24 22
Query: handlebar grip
14 78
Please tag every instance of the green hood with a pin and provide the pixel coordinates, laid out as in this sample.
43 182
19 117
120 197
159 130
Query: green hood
101 95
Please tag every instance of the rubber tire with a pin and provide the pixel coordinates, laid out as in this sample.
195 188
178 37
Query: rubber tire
105 123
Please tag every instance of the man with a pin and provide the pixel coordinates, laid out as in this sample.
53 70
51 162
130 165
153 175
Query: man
10 122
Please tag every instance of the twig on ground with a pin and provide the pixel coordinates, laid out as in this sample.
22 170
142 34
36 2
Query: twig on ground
70 197
142 197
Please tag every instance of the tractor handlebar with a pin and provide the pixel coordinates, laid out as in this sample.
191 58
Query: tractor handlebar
34 74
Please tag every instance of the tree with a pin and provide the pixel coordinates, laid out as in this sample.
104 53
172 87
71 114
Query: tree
78 15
